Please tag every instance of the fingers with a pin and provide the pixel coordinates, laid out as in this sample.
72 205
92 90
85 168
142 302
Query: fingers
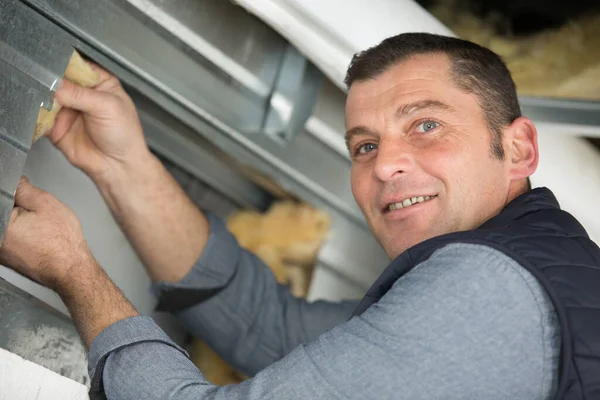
29 197
16 213
81 98
103 80
63 124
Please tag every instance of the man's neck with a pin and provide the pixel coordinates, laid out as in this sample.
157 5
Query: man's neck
516 189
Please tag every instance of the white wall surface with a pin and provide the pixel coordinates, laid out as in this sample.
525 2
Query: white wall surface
570 167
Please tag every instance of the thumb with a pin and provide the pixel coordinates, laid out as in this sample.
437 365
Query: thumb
81 98
28 196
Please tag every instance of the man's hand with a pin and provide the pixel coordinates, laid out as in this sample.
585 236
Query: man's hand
44 240
98 130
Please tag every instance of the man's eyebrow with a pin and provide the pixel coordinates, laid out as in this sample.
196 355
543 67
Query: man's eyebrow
411 108
357 130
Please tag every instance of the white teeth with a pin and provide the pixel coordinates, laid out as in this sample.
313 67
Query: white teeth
409 202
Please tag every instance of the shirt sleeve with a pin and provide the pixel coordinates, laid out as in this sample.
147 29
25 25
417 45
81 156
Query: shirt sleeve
232 301
467 323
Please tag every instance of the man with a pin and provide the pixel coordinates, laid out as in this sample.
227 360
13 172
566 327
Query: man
492 292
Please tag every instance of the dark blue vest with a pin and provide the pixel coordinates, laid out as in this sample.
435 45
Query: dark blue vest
553 247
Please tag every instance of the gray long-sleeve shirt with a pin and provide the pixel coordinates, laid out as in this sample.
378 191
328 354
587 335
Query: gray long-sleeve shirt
469 323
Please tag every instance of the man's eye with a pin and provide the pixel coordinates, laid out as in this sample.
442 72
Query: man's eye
365 148
427 126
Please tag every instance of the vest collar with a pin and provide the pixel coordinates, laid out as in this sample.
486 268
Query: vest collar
531 201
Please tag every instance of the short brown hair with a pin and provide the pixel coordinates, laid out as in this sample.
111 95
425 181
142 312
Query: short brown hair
475 69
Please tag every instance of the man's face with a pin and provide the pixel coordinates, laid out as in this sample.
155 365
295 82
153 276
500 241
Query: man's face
421 155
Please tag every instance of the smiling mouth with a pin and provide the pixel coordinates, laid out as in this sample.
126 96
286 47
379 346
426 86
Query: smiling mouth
409 202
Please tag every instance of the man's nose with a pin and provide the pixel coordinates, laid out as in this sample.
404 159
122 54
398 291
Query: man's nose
393 159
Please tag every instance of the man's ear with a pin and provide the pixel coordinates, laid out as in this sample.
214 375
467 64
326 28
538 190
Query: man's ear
522 148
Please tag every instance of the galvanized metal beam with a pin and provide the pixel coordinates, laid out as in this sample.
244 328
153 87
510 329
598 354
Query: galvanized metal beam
33 57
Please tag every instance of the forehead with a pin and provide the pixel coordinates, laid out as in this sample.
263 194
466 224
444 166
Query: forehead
417 78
